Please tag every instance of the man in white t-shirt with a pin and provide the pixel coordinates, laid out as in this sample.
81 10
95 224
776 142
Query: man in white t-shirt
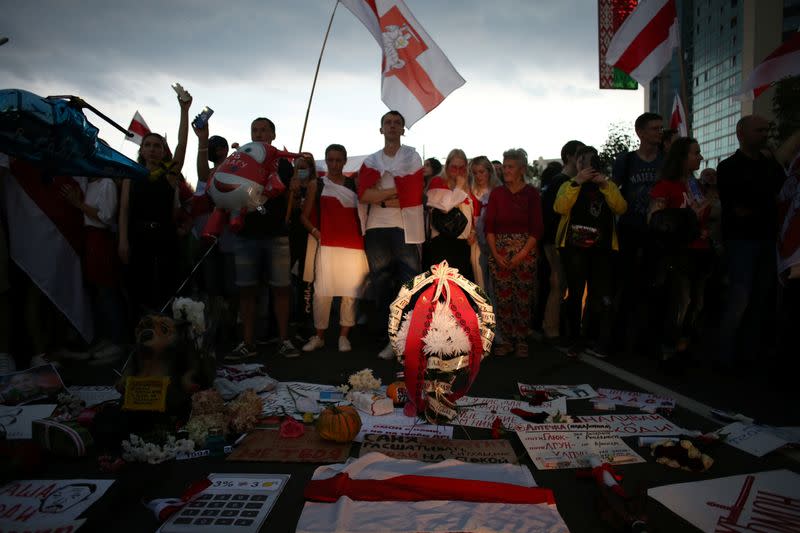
390 188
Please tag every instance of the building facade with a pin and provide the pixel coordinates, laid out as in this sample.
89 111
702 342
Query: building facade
721 42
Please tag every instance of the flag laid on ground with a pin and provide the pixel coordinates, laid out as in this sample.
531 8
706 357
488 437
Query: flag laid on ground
677 119
45 239
610 16
784 62
643 45
378 493
416 75
139 129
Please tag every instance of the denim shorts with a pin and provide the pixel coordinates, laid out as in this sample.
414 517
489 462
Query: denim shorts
262 260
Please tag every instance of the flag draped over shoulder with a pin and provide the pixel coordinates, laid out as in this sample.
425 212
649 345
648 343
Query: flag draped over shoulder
416 75
784 62
378 493
677 119
643 45
341 264
406 168
139 129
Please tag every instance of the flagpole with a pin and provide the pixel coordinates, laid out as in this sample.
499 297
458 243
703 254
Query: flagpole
316 74
684 99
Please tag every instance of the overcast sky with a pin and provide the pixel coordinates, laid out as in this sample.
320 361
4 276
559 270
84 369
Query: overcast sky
530 69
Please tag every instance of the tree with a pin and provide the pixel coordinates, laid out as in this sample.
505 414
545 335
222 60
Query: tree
619 140
786 105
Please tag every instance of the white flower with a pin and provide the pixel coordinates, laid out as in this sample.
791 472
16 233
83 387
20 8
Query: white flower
445 336
399 343
363 380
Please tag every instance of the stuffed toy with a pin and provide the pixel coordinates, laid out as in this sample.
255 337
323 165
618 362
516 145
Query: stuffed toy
162 350
441 327
241 184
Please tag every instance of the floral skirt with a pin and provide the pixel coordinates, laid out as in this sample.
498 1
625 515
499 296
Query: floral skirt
514 288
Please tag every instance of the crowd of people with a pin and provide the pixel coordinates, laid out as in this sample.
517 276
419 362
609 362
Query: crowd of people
645 257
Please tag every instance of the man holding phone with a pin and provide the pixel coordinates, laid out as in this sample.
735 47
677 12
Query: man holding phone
587 239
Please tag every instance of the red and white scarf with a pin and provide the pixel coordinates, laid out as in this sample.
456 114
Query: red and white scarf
339 217
406 167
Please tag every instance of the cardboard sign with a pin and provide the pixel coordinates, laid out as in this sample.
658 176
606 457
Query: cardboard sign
267 446
481 417
753 439
399 424
435 450
145 394
765 501
48 501
570 392
635 425
641 400
555 446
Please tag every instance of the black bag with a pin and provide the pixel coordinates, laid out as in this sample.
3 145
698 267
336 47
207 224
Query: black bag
674 227
450 224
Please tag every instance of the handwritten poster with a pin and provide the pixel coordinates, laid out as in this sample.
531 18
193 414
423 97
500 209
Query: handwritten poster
288 396
497 451
483 416
267 446
641 400
753 439
399 424
556 446
635 425
43 502
765 501
570 392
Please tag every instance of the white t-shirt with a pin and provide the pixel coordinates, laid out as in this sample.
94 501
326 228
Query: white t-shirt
101 194
385 217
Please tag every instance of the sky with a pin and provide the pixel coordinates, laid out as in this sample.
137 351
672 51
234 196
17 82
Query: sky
530 69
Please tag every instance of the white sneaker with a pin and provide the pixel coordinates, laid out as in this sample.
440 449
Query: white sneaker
344 344
314 343
387 353
7 364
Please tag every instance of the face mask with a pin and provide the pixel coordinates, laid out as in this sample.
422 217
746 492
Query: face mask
303 173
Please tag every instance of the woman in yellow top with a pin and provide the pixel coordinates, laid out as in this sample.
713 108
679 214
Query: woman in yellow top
587 241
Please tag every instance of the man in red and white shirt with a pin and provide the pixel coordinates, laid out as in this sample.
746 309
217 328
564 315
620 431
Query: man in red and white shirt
390 186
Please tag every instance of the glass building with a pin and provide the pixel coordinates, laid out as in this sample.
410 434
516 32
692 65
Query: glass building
721 42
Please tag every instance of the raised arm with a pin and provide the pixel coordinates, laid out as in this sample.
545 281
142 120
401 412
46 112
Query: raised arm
202 153
183 134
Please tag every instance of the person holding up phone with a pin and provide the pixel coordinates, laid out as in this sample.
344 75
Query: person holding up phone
587 239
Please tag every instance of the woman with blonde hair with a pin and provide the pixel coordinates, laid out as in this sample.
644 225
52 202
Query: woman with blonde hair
484 179
452 217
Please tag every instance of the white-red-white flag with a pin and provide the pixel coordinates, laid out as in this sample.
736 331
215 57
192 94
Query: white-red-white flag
139 129
416 75
45 239
784 62
677 119
643 45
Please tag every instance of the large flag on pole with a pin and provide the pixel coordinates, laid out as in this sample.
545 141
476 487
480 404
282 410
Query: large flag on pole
643 45
139 129
416 75
784 62
677 119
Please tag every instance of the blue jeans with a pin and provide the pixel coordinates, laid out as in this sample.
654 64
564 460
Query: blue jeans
751 284
392 262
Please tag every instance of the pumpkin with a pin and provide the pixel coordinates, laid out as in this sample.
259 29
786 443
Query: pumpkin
339 424
398 392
